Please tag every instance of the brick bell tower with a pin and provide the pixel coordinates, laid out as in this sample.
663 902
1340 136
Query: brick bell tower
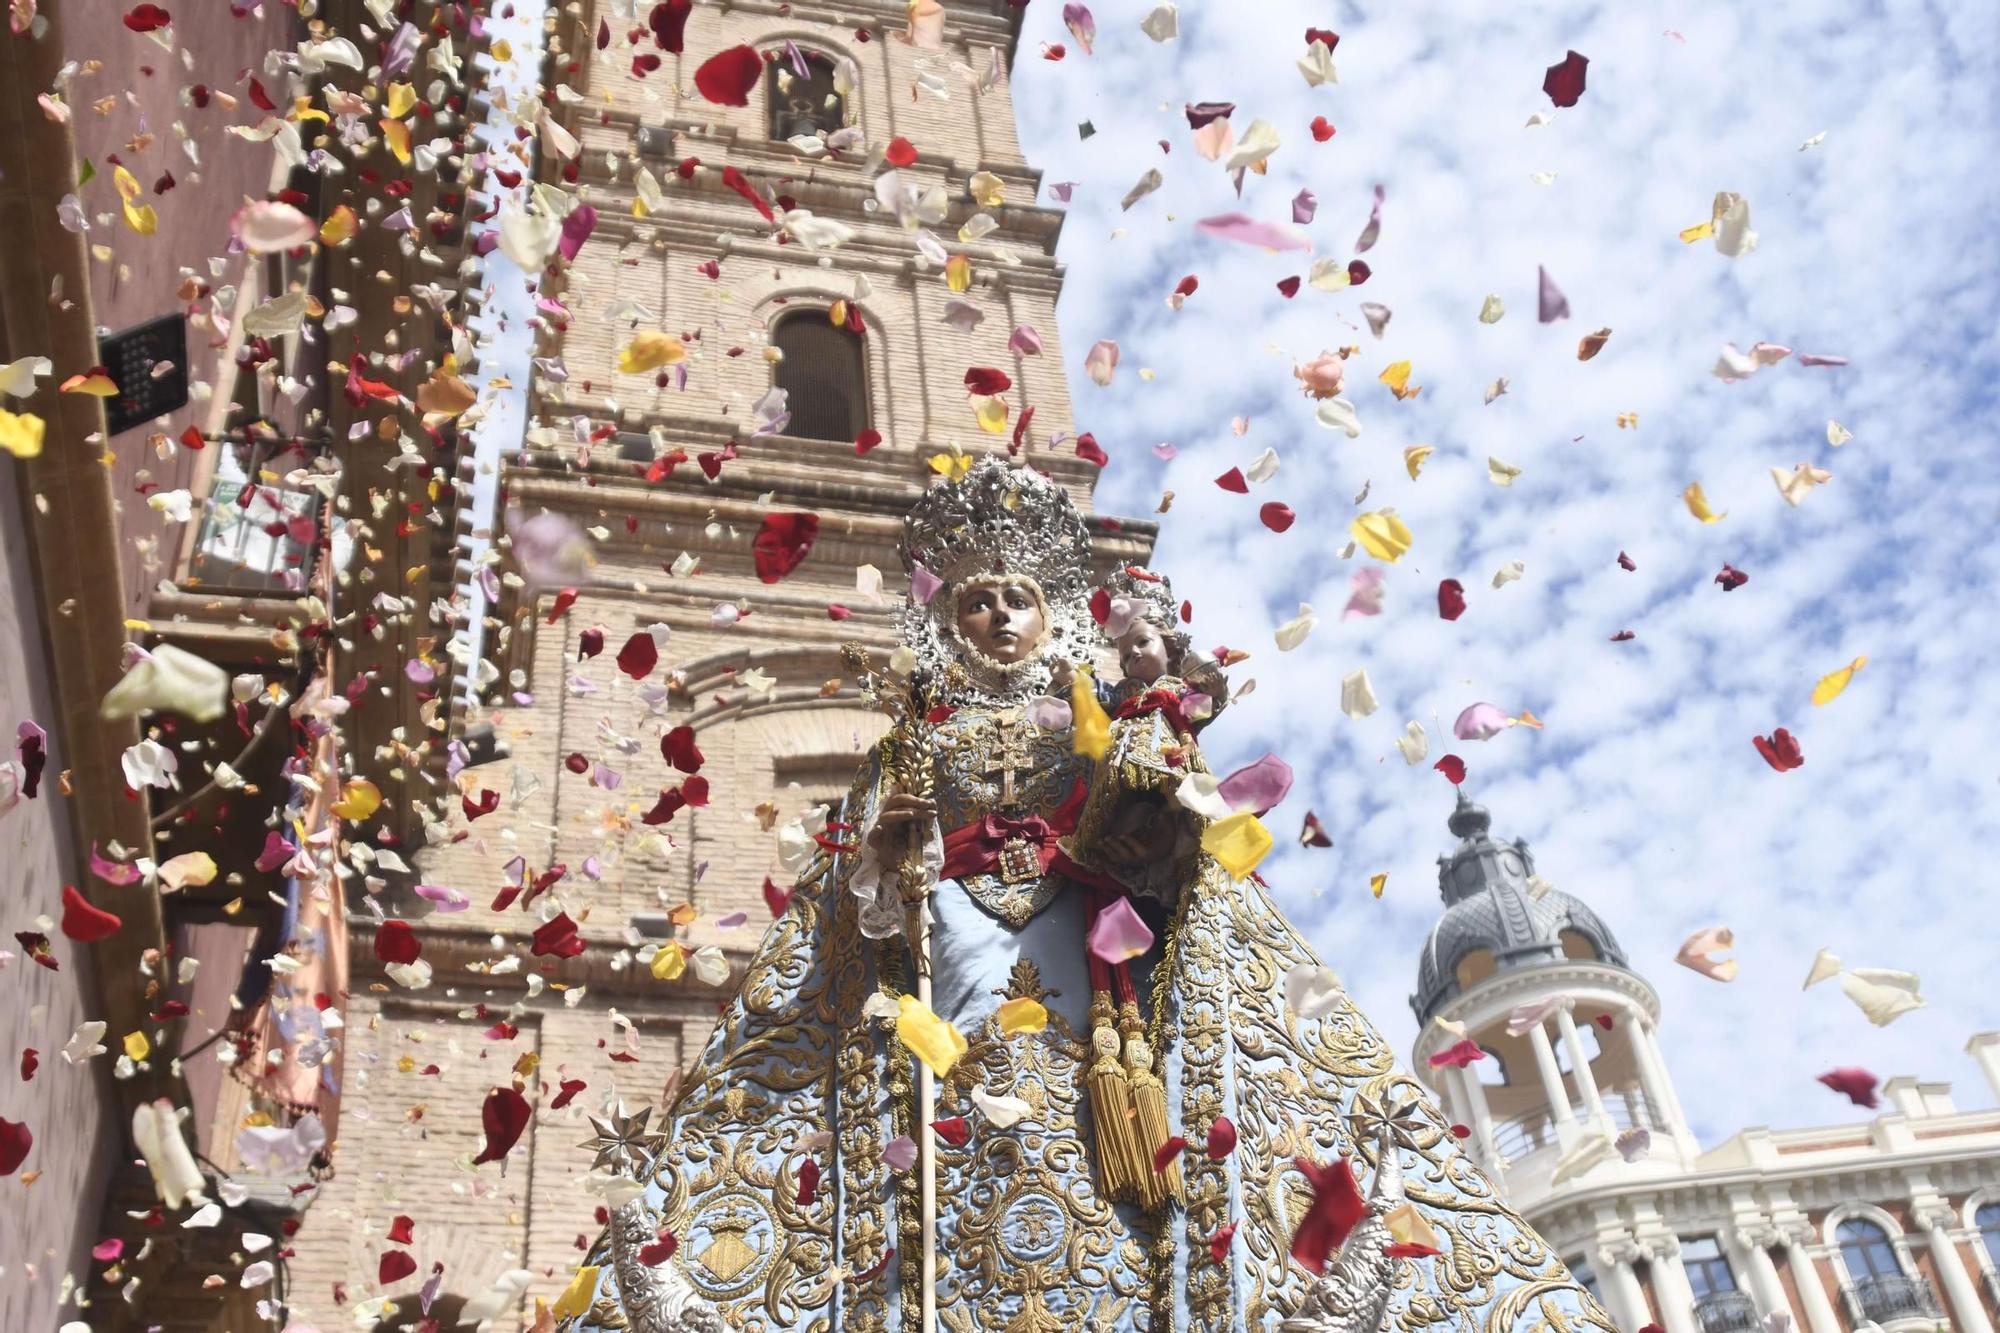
658 483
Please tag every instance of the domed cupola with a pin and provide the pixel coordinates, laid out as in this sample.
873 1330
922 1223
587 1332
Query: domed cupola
1494 921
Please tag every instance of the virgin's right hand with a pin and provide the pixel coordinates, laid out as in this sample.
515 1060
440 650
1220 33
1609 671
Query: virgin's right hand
902 808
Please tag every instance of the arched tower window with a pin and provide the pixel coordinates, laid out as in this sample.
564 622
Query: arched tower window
802 98
1987 1219
1866 1250
1473 967
1576 944
823 376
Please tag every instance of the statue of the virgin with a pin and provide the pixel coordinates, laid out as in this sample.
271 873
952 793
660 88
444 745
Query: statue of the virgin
1022 1053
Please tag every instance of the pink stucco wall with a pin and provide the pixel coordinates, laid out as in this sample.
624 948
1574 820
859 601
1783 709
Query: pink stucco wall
46 1229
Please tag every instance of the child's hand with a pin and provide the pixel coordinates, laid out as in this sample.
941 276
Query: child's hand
1062 675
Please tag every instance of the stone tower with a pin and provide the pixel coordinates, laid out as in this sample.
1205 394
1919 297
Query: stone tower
664 481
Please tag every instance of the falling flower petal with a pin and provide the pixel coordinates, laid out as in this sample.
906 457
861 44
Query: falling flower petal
265 227
930 1038
1453 769
1118 935
1857 1085
1695 952
1480 722
1882 994
1335 1208
1247 230
727 78
1021 1016
1102 362
1357 696
1564 80
1382 534
1780 750
1831 684
1551 304
1825 964
1312 991
1237 843
1837 434
1697 504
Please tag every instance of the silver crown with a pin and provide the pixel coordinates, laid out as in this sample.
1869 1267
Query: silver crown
1154 598
997 521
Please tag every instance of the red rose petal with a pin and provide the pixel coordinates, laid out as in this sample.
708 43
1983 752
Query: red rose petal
639 655
1625 562
570 1087
1221 1138
1277 517
1090 451
147 18
394 1266
82 922
557 938
1780 750
31 1060
900 152
954 1130
1452 767
1731 578
728 77
505 1114
1451 599
677 747
1564 81
1233 482
866 440
1288 287
669 24
1166 1153
986 381
1218 1244
1857 1085
660 1250
1336 1208
782 543
1357 272
776 899
15 1141
589 643
808 1182
395 942
1322 129
401 1230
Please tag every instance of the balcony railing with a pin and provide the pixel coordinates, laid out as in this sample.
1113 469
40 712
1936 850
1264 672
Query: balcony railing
1534 1130
1885 1298
1726 1312
257 535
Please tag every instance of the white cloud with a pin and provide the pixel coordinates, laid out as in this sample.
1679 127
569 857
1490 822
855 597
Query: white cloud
1644 796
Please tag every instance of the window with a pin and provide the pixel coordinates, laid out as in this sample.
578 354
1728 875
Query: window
1987 1219
1472 968
803 99
1586 1276
1866 1250
1707 1268
822 374
1576 944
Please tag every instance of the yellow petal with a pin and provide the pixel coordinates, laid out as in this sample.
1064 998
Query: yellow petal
21 433
1697 504
992 413
669 962
128 184
340 225
1696 233
1382 534
650 350
97 383
188 870
1830 686
987 189
951 466
359 799
402 100
684 914
582 1288
1414 456
1406 1225
1237 843
1397 377
137 1046
1091 725
958 273
930 1038
444 393
144 219
836 314
1021 1015
1376 883
1499 473
397 135
503 51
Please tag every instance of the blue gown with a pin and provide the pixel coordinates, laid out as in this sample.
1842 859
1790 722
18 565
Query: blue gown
796 1072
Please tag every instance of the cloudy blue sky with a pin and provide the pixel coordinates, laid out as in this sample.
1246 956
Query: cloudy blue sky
1644 794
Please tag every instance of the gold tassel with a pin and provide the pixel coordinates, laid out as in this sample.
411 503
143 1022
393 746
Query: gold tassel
1121 1167
1149 1105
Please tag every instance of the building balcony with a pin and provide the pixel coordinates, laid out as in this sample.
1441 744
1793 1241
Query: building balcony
1888 1299
1726 1312
1518 1136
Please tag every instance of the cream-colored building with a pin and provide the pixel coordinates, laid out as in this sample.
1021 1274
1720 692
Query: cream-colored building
1893 1221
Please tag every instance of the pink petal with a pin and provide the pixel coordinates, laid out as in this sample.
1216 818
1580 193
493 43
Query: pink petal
900 1152
447 899
1257 787
1118 934
924 585
1165 452
116 872
267 226
1025 341
1480 722
732 921
1366 597
1553 304
1304 204
1248 230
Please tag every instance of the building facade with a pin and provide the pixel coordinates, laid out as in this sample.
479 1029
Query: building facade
1893 1222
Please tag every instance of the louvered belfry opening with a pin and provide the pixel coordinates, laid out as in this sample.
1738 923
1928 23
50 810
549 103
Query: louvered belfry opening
803 103
825 387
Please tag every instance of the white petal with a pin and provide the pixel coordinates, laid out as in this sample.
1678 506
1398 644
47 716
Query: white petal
1312 991
1357 696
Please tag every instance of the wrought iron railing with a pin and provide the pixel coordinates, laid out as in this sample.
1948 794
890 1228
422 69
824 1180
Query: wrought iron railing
1531 1131
1885 1298
1726 1312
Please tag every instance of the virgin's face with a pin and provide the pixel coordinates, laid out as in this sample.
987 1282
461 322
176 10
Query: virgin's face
1003 621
